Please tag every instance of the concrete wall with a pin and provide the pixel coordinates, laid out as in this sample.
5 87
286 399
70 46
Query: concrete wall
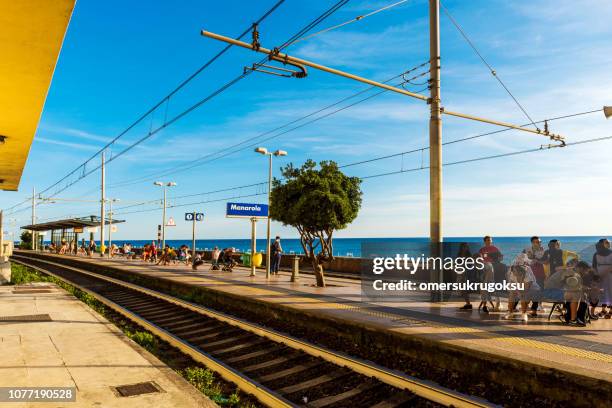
5 272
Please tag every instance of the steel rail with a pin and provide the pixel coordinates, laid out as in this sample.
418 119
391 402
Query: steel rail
424 389
264 395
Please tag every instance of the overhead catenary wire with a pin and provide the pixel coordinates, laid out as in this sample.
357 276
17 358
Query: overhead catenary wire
421 149
165 99
227 85
495 156
354 20
484 61
418 150
179 116
193 203
414 169
233 148
463 139
167 123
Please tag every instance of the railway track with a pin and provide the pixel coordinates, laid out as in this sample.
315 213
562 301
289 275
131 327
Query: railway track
279 370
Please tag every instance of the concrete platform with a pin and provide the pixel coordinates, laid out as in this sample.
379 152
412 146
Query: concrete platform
545 349
79 348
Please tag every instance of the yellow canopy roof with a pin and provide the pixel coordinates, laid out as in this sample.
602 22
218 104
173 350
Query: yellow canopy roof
31 35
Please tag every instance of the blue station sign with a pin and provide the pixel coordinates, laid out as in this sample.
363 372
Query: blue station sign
244 210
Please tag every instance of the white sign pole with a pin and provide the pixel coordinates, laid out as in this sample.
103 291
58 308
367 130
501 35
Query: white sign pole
193 239
253 243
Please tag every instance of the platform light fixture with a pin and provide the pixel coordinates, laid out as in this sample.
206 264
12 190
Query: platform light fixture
277 153
163 185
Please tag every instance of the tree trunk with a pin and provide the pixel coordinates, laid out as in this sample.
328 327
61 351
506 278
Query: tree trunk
318 271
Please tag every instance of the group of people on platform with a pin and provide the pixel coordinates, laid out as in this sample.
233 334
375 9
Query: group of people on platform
549 274
72 248
221 259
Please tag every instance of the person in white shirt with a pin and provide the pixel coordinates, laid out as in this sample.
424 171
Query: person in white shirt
520 272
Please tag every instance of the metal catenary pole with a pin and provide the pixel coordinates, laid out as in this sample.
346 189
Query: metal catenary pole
435 129
164 221
110 227
102 205
435 143
33 233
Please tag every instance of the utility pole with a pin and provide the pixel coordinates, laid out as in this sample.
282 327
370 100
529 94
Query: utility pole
436 110
164 222
33 233
163 185
435 145
435 131
110 226
102 207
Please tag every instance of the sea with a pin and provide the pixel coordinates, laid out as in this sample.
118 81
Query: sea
510 247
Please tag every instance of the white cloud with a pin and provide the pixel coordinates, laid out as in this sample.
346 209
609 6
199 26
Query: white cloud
79 146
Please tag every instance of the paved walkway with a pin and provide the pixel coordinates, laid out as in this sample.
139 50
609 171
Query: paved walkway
78 348
586 351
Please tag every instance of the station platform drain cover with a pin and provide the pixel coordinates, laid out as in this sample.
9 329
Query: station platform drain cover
26 318
137 389
27 291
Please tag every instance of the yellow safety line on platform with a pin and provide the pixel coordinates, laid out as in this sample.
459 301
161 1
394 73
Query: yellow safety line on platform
530 343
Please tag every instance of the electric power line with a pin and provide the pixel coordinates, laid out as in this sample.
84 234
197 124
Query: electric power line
165 99
414 169
354 20
300 33
421 149
495 156
233 148
465 139
493 72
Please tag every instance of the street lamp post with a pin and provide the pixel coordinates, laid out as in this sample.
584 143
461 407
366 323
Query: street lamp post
164 185
264 151
110 224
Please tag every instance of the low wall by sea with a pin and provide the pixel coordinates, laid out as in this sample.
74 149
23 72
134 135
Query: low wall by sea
349 265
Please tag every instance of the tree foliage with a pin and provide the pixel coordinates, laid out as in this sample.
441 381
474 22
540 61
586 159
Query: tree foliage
317 202
26 240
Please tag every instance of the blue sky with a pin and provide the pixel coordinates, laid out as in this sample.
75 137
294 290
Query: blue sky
119 58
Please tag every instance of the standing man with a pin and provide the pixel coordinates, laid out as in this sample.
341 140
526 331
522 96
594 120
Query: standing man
277 253
488 249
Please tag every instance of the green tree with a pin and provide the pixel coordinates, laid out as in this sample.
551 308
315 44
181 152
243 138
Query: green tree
317 202
26 240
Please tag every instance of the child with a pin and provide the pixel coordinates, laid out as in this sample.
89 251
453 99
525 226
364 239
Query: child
592 285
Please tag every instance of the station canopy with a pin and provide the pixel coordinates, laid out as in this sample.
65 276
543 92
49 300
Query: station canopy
90 221
31 36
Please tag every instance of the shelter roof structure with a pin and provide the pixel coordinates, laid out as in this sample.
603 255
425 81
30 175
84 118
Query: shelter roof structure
90 221
30 42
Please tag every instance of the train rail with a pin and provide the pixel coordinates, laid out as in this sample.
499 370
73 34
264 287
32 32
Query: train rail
277 369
